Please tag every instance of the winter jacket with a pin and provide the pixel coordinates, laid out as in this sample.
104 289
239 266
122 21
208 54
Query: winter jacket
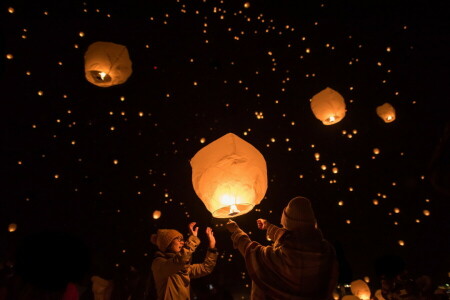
173 272
298 266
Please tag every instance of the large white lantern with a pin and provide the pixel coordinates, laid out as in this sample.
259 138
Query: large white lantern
107 64
230 176
328 106
386 112
360 289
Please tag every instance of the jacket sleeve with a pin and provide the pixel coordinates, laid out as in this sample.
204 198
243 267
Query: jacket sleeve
274 232
165 267
242 241
205 268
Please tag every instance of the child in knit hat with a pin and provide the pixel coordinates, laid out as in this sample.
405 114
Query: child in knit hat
300 265
172 269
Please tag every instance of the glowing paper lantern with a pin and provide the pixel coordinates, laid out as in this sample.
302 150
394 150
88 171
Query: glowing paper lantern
156 214
230 176
386 112
360 289
328 106
12 227
107 64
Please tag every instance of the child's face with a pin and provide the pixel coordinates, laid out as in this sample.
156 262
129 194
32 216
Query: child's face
176 245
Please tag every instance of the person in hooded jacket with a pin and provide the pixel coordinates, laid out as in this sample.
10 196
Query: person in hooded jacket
300 265
172 269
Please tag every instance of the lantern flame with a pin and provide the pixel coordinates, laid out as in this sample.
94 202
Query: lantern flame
102 75
331 119
234 210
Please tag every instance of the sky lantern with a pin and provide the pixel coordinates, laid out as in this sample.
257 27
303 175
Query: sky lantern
230 176
12 227
107 64
360 289
156 214
328 106
386 112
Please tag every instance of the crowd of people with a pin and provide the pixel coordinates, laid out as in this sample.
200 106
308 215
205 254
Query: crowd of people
299 265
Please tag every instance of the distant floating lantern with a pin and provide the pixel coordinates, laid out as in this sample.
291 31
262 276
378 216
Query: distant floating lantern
328 106
376 151
107 64
317 156
360 289
335 170
426 212
230 176
156 214
386 112
246 4
367 279
401 243
12 227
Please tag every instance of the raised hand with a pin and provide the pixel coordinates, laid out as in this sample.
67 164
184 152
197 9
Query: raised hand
232 226
193 231
262 224
211 238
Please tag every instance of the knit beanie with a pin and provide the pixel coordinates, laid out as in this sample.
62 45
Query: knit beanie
298 214
164 237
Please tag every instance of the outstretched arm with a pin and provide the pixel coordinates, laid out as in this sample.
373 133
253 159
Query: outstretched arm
205 268
241 240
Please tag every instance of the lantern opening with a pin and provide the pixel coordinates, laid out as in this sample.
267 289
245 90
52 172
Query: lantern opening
389 118
234 210
99 76
331 119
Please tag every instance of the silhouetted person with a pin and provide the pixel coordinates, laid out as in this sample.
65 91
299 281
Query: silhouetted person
300 265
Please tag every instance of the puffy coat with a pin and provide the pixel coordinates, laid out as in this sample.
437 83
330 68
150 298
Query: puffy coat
173 272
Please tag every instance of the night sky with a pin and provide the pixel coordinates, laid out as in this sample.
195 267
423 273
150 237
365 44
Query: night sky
96 162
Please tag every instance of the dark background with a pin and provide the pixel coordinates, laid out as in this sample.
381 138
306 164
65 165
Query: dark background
109 207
